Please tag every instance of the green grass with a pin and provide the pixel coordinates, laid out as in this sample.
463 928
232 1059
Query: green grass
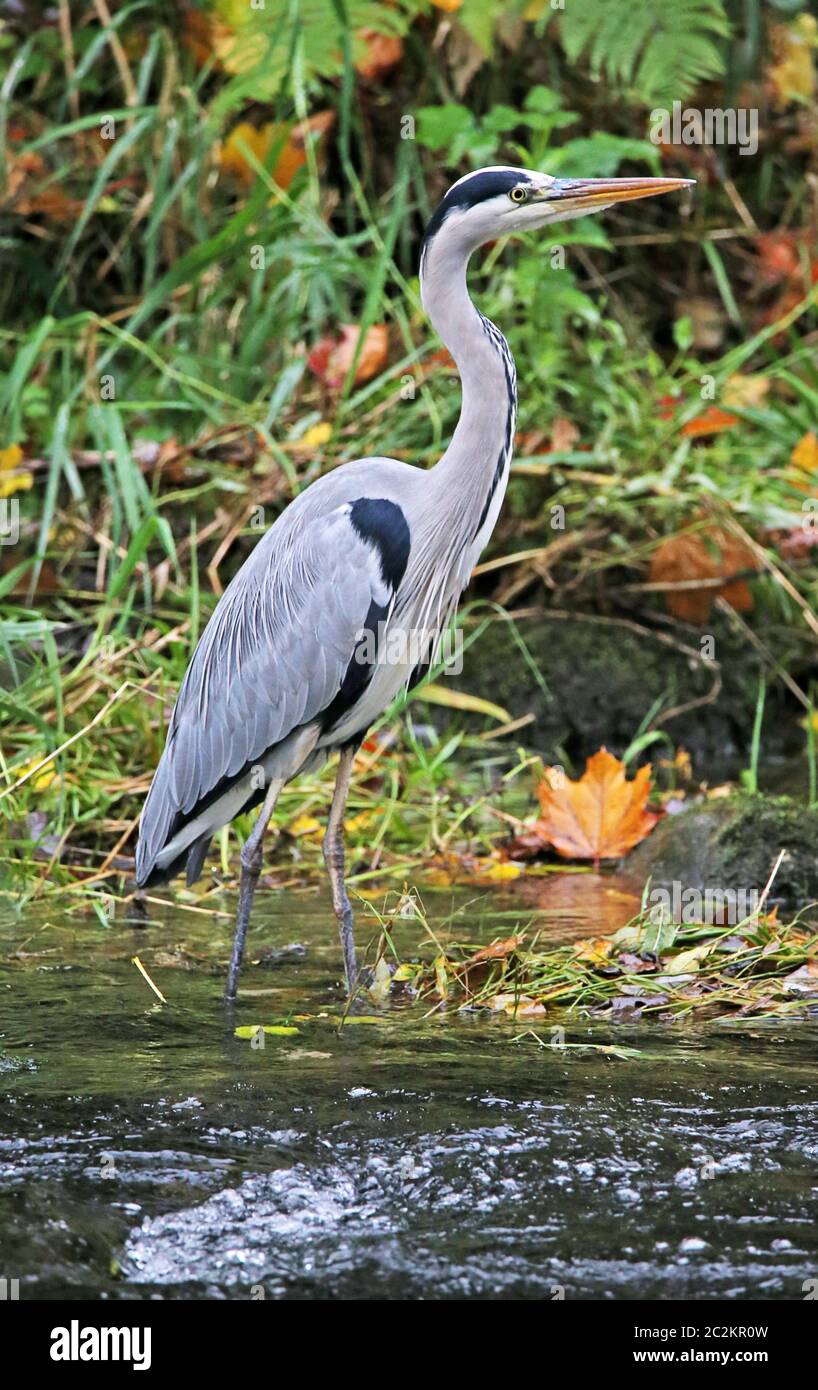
759 968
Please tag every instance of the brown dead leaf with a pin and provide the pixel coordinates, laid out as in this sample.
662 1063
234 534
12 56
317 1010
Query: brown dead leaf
707 554
601 816
330 359
564 435
496 951
382 53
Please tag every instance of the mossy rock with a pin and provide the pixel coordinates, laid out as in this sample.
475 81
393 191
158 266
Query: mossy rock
590 684
732 844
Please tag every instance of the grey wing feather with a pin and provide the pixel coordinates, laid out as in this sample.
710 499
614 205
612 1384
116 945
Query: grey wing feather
272 657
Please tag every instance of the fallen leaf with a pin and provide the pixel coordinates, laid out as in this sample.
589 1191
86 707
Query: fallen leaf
802 981
497 950
498 870
707 554
290 140
778 255
382 53
305 825
331 358
745 392
564 435
13 478
316 435
600 816
381 982
635 965
711 421
206 37
804 460
594 949
518 1005
441 977
792 75
43 780
274 1030
687 961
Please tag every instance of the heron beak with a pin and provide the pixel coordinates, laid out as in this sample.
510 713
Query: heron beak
591 193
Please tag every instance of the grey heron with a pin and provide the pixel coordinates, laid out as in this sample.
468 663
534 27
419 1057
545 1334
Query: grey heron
300 657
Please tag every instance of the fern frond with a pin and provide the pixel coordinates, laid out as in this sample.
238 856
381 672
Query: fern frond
657 52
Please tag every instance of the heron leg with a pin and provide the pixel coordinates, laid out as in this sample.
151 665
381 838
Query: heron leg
251 857
334 859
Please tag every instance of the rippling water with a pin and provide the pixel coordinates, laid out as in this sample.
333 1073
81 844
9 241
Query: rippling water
147 1151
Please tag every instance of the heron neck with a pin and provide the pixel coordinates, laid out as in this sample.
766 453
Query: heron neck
476 461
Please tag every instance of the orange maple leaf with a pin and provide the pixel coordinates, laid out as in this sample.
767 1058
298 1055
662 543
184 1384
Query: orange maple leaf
601 816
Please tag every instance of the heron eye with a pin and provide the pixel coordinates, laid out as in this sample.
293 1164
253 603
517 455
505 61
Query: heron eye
518 195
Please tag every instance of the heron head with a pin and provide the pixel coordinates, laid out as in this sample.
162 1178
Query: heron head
494 202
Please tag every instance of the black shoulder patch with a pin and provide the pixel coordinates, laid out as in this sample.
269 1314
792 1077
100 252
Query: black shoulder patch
383 524
487 184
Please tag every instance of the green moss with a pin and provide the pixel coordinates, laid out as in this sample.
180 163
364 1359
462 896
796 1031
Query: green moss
734 843
598 682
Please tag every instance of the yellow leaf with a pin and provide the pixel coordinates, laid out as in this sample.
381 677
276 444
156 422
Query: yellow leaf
13 478
498 870
458 699
275 1030
10 457
405 972
305 825
317 435
793 74
745 391
43 779
805 454
595 949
